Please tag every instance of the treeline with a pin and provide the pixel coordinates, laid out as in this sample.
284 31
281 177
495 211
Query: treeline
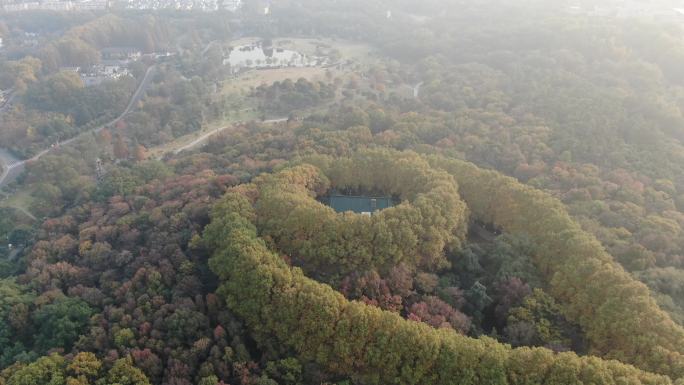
430 219
407 259
82 369
371 346
620 318
614 342
286 96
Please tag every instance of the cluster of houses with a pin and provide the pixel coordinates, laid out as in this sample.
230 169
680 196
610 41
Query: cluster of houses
95 5
629 9
100 73
120 55
19 40
56 5
201 5
113 65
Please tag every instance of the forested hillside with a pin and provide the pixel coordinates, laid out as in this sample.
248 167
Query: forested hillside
531 152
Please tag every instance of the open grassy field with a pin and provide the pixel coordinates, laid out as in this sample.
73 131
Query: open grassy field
255 78
345 50
20 201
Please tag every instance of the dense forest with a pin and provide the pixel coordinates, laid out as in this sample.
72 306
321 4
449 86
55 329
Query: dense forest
533 156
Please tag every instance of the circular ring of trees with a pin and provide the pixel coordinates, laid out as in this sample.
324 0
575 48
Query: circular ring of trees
430 218
287 311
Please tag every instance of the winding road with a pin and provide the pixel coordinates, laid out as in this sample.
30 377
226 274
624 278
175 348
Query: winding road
209 134
13 166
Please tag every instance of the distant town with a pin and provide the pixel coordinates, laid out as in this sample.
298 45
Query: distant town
628 9
617 9
95 5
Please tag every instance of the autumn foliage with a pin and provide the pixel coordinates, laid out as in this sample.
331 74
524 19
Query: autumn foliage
430 219
376 346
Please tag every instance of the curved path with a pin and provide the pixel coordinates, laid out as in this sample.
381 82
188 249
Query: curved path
209 134
13 167
416 90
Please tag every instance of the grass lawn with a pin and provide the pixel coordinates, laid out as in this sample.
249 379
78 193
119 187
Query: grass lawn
21 201
255 78
358 53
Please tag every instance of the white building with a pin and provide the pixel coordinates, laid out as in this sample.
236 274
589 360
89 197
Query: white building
120 53
57 5
232 5
100 73
90 5
70 69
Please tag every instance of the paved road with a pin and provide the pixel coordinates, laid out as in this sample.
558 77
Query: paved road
206 136
13 167
206 49
25 212
416 90
15 253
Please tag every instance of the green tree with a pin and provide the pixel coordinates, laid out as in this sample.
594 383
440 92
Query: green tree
61 323
15 303
44 371
124 373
